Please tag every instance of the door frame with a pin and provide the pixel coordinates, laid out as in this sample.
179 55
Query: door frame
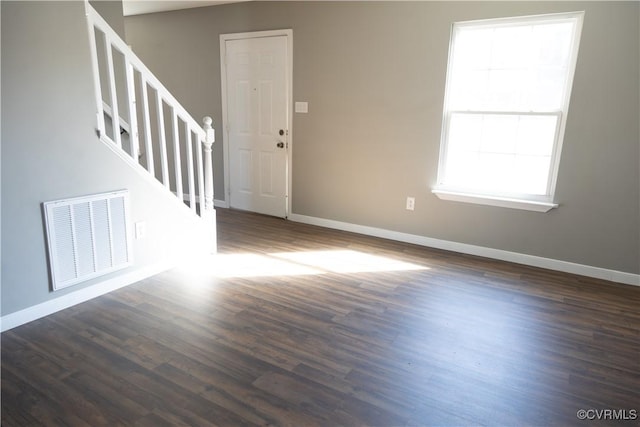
288 33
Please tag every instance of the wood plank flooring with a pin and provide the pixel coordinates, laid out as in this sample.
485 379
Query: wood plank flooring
293 326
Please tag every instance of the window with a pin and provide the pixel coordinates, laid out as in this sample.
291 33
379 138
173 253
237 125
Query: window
507 96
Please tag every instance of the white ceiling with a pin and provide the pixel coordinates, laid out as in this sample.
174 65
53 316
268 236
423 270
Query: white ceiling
138 7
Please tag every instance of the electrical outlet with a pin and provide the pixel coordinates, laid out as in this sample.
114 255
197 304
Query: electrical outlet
140 229
411 203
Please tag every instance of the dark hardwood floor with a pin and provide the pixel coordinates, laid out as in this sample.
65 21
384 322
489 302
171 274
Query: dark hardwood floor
301 326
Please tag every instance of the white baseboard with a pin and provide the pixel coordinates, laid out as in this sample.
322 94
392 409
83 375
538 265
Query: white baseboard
531 260
220 203
216 203
46 308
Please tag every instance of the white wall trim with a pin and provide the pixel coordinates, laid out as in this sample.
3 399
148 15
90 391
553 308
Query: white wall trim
518 258
220 203
46 308
216 202
503 202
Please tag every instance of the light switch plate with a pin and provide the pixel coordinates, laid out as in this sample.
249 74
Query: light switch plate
302 107
140 229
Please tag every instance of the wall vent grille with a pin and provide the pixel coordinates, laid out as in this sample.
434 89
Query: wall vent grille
88 237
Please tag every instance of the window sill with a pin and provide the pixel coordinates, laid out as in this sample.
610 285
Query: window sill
502 202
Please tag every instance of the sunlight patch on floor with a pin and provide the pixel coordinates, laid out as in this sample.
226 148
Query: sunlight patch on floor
296 263
255 265
347 261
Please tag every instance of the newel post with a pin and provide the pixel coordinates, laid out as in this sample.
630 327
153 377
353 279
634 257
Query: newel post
208 165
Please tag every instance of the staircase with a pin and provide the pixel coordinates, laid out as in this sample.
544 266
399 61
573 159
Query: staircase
139 119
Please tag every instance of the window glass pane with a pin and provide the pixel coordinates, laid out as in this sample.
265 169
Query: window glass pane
473 48
505 89
470 90
496 170
464 131
510 67
546 93
499 133
462 168
536 135
511 47
500 152
499 173
553 43
531 175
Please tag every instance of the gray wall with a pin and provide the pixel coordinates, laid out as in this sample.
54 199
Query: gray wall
111 11
374 75
50 151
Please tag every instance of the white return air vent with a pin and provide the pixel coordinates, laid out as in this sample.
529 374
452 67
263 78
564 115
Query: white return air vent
88 237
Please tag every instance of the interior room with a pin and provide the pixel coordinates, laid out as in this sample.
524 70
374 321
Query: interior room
379 213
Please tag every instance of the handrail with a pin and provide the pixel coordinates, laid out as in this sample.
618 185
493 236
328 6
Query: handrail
137 63
174 149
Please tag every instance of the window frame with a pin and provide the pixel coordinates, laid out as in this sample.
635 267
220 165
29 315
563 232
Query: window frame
534 202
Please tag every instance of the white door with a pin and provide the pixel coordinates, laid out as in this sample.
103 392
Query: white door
257 129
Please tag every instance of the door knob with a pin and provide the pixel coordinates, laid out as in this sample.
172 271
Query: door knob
280 144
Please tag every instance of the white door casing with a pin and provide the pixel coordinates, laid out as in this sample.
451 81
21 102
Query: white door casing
256 100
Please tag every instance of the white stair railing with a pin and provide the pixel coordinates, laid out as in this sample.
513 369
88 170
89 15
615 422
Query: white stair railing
120 78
